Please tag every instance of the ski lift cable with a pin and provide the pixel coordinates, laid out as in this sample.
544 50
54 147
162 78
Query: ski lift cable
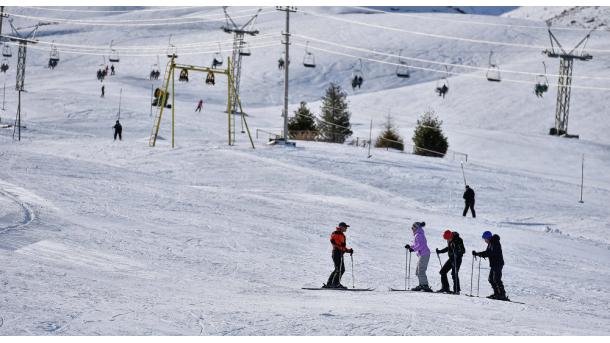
325 42
470 75
129 20
149 47
113 21
438 36
425 17
163 9
94 23
197 52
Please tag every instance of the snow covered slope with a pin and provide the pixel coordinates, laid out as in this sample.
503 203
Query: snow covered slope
116 238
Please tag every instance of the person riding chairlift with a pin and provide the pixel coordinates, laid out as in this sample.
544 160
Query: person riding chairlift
209 79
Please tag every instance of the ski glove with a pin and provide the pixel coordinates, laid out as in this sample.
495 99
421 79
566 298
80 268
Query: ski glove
350 251
474 253
437 251
408 247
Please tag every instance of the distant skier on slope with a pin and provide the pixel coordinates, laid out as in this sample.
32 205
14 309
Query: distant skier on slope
199 105
420 246
455 250
469 202
118 130
338 241
496 262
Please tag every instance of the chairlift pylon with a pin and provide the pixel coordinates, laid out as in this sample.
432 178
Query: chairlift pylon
309 60
403 69
493 71
114 55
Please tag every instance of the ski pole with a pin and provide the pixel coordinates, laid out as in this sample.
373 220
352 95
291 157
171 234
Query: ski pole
472 272
439 260
455 274
406 267
479 278
409 278
353 279
341 269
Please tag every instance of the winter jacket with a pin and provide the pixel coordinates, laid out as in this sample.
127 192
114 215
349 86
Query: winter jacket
469 196
420 245
455 247
494 252
118 127
337 239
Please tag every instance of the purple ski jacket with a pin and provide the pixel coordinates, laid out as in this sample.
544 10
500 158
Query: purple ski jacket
420 245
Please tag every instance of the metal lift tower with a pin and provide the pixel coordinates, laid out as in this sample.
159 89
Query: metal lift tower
19 87
564 84
238 50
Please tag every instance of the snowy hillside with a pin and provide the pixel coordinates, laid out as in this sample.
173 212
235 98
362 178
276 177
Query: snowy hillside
103 237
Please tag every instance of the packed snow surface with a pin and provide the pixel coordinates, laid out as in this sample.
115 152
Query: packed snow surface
103 237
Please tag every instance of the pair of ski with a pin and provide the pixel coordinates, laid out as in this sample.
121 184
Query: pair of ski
399 290
451 293
339 289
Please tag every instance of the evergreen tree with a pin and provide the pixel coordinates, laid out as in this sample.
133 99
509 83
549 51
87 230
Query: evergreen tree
428 135
390 138
303 124
335 125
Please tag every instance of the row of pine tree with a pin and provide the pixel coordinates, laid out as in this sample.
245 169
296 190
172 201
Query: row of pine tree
333 125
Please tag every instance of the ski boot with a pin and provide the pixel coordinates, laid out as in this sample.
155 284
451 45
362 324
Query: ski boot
493 296
417 288
426 288
502 297
443 290
340 286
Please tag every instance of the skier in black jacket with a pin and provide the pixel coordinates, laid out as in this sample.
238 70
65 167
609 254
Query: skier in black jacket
118 130
469 202
496 262
455 250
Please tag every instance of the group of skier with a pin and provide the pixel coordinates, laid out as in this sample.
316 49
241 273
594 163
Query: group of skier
103 72
455 250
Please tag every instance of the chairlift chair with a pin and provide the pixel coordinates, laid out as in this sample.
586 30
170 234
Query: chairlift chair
7 51
309 60
245 50
493 72
172 51
217 60
402 70
4 65
357 75
53 56
184 75
542 83
114 55
442 84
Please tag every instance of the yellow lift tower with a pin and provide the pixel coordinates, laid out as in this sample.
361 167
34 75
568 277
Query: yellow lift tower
170 70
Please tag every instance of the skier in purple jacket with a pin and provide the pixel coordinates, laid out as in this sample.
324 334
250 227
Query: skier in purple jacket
420 246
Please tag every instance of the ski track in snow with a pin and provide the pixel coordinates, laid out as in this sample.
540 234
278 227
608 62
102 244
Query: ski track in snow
115 238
